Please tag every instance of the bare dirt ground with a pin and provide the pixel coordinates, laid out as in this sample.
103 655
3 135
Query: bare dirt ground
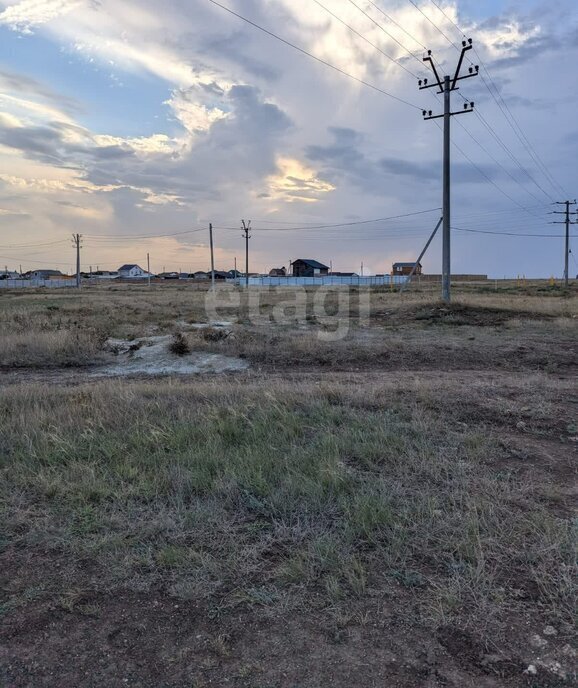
224 530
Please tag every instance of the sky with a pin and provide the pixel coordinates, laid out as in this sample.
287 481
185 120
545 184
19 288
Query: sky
136 123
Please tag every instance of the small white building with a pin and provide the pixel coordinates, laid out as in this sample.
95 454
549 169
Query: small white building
132 271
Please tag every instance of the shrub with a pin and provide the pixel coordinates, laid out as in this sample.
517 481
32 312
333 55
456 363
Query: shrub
179 345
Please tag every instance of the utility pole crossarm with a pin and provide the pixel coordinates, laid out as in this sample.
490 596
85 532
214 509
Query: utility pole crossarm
428 114
466 45
438 81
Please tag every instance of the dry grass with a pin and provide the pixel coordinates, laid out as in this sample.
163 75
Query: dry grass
51 349
431 477
296 491
404 330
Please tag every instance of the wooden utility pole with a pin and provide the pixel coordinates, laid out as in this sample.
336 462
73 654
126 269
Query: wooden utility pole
446 87
149 268
246 227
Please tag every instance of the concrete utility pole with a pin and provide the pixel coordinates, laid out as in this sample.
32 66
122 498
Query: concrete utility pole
246 227
212 256
421 255
76 243
567 221
446 87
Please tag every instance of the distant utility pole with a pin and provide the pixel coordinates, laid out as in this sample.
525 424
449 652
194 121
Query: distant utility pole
567 222
446 87
76 243
246 227
149 268
212 256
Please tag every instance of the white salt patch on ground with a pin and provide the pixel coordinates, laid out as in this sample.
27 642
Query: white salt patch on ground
151 356
218 325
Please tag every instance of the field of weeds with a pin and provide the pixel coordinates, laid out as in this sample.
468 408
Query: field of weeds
393 508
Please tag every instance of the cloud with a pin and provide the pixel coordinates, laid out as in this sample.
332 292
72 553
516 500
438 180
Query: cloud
218 121
294 181
29 13
14 82
13 213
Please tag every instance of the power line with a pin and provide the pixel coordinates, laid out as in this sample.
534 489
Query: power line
112 237
449 40
412 55
482 231
512 121
379 26
497 162
387 33
506 211
339 224
449 18
512 156
35 245
392 20
26 260
348 26
489 179
312 56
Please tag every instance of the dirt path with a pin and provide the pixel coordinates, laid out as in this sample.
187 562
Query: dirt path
151 642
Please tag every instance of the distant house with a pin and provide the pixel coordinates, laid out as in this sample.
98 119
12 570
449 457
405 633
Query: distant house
344 274
9 274
44 274
132 271
278 272
234 274
306 267
104 274
168 275
406 268
200 275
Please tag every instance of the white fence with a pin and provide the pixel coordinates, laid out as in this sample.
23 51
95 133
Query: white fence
323 281
23 283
